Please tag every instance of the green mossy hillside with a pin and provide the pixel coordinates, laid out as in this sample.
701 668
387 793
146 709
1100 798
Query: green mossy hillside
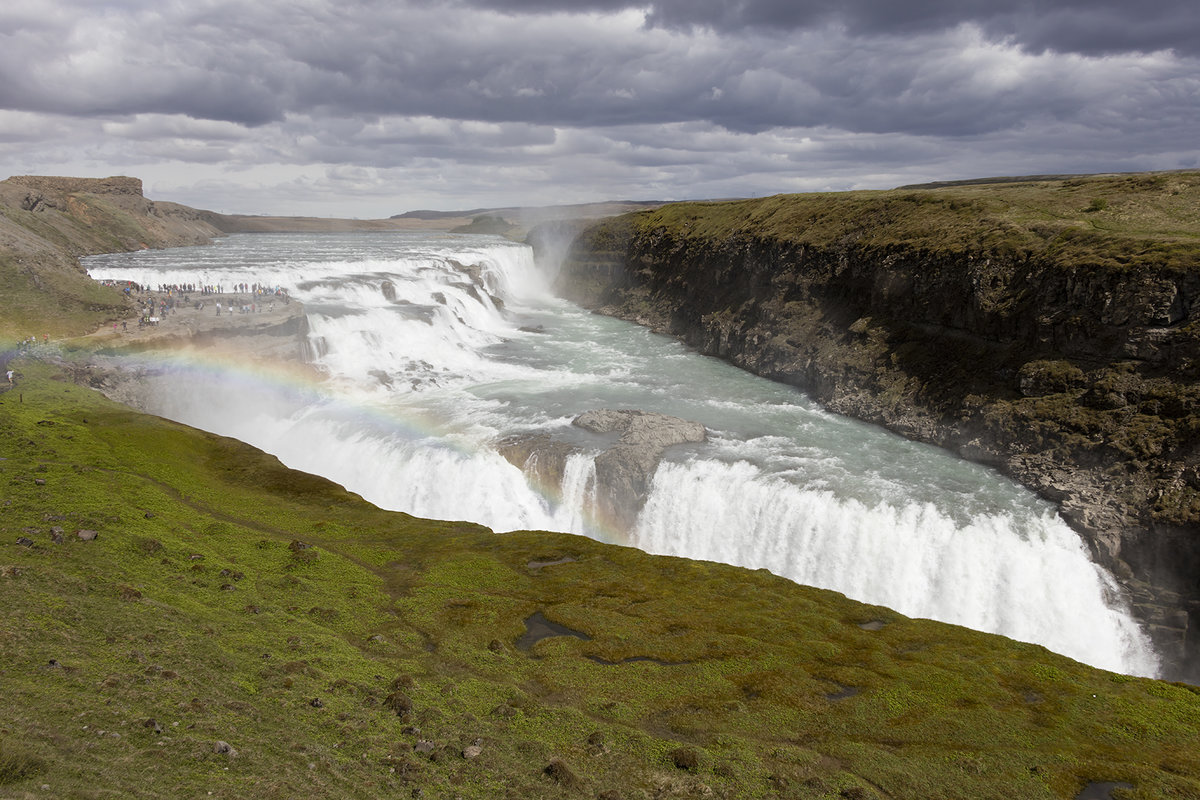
346 652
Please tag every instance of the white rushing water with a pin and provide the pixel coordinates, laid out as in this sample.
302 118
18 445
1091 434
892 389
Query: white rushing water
471 346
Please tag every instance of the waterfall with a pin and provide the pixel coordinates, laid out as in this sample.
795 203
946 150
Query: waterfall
434 347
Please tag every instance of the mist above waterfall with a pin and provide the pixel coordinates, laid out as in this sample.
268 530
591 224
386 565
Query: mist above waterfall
466 345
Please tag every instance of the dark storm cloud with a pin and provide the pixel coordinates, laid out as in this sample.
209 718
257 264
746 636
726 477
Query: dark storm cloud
1093 27
662 99
255 64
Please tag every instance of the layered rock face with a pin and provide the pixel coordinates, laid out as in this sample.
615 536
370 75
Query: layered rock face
47 223
1074 376
96 215
624 468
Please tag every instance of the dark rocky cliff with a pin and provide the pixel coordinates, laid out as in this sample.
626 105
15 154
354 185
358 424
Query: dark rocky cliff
1065 353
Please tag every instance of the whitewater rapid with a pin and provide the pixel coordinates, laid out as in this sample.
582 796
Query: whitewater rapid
435 346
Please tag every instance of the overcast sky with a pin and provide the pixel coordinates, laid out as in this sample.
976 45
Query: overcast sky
369 108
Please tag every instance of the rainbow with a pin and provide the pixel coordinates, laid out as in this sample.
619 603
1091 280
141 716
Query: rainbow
305 386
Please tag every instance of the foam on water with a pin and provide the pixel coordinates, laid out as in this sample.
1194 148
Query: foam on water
420 385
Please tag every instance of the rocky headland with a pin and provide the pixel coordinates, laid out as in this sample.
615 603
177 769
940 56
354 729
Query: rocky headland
624 467
1050 329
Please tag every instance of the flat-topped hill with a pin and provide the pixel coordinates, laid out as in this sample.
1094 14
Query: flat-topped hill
47 223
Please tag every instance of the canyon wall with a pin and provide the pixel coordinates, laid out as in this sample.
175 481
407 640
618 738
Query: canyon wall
1064 354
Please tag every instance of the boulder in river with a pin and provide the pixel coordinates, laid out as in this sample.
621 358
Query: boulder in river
623 470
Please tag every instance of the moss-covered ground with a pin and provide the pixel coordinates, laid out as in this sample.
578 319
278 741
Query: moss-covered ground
344 652
1119 222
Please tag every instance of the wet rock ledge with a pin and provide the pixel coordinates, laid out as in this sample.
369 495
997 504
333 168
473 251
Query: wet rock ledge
1068 360
624 468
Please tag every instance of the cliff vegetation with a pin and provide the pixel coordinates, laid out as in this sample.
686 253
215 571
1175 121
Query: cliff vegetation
1047 327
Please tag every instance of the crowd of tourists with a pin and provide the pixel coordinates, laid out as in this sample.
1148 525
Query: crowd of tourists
167 298
172 289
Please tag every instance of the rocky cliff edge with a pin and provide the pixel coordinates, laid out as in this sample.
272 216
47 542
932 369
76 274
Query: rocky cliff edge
1048 328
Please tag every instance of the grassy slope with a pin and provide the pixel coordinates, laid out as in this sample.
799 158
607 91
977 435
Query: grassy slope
43 289
1118 221
192 610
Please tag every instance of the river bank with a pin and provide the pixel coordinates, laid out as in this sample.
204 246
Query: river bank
1003 324
264 328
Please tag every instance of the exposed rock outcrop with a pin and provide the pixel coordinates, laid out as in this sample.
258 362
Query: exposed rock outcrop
49 222
623 470
1073 369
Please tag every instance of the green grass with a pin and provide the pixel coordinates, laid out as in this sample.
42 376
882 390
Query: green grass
1113 222
193 618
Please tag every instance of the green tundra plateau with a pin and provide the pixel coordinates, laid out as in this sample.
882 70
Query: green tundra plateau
186 617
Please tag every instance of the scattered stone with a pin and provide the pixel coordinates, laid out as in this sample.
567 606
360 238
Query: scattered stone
9 571
558 771
228 587
472 751
87 536
685 758
376 639
496 646
56 535
872 625
195 557
39 481
597 744
25 541
53 664
225 749
425 746
252 610
153 724
411 730
149 515
399 702
316 703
